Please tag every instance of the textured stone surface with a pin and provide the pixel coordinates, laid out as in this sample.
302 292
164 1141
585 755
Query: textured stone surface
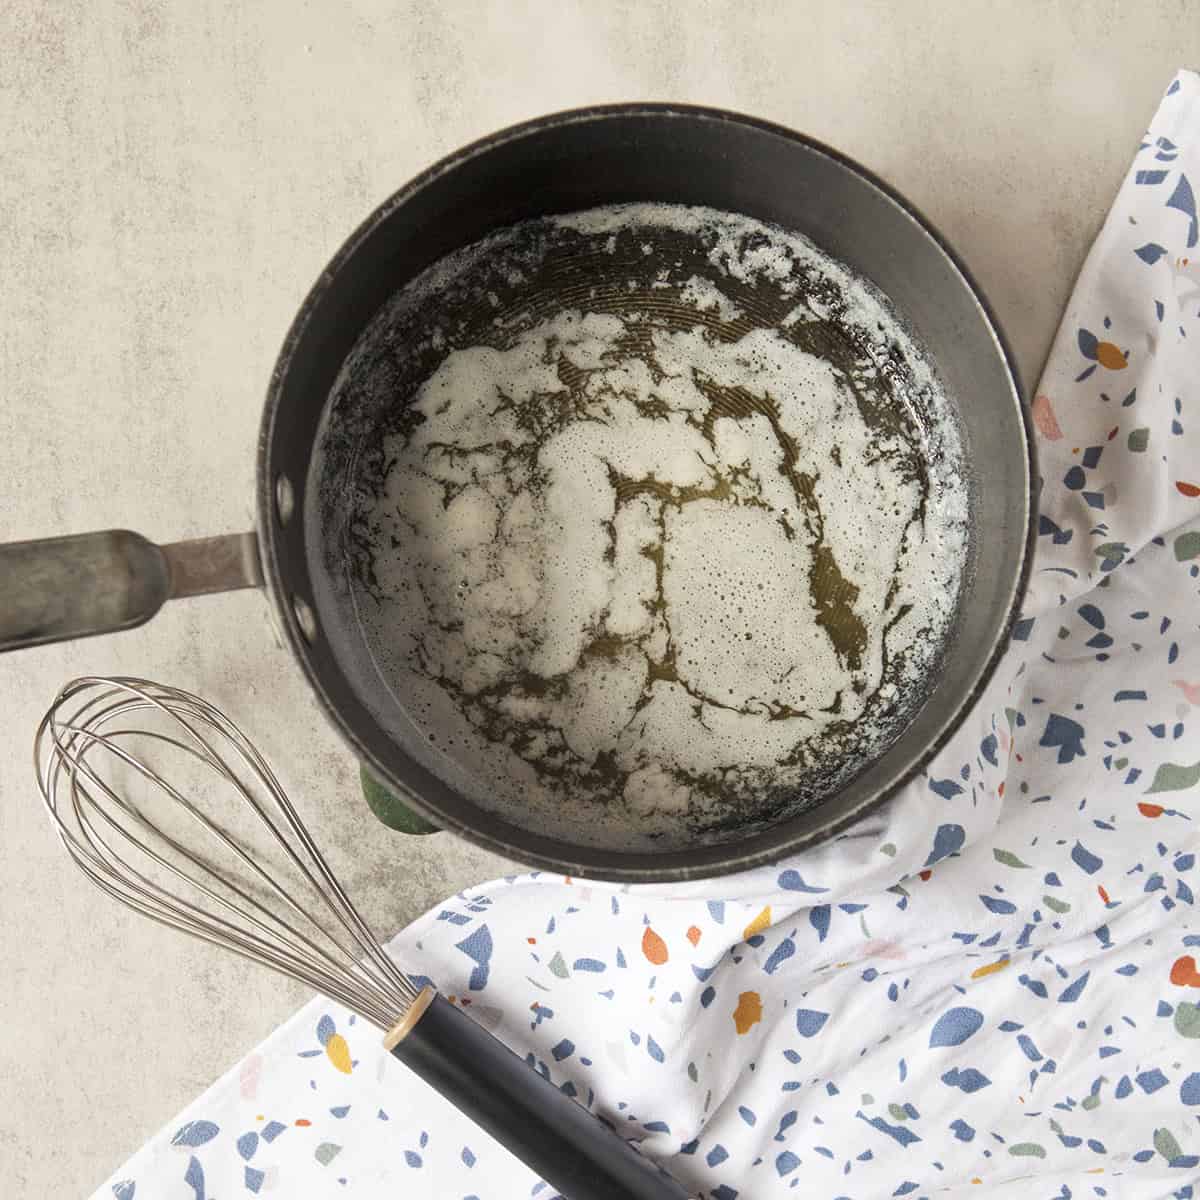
176 175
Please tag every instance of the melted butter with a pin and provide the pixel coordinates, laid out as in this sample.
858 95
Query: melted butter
660 563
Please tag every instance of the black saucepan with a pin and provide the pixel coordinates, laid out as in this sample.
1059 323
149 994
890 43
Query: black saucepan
72 587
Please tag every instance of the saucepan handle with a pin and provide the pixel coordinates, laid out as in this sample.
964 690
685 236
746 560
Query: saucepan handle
57 589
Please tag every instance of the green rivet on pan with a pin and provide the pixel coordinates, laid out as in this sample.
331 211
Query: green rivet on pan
389 810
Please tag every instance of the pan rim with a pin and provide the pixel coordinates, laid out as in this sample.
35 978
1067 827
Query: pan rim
764 847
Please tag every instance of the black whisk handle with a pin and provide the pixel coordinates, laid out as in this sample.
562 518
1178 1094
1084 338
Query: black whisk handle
570 1148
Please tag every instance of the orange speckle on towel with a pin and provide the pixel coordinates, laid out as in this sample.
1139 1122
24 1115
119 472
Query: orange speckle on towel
748 1012
654 948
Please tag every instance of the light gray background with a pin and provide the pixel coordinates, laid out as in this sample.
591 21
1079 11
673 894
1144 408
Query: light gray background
172 179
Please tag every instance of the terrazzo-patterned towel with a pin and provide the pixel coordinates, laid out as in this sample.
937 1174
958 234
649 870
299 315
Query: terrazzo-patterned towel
989 989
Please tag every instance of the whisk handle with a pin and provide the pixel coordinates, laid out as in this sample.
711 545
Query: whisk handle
569 1147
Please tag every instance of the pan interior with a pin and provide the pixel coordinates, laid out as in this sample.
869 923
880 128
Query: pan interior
646 526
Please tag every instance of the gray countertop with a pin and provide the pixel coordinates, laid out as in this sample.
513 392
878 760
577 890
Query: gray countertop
176 175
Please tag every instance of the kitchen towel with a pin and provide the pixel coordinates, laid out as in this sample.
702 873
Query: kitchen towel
990 988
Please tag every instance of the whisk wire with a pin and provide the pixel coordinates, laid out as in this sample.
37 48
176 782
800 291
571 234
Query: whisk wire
100 826
122 880
226 840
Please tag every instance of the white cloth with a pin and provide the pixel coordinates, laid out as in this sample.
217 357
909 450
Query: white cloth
988 989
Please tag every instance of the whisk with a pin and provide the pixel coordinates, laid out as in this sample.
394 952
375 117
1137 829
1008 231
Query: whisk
193 867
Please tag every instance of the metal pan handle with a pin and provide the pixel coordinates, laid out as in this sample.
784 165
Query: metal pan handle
56 589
